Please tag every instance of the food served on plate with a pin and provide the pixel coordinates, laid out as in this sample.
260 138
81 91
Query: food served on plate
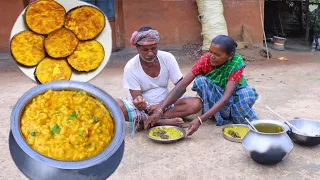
236 131
61 43
56 33
166 133
44 17
88 56
87 22
27 48
50 69
67 125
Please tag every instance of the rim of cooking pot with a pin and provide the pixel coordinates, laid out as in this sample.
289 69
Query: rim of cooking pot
274 122
108 101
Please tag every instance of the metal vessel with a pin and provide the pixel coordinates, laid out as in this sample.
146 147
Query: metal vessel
268 148
312 128
37 166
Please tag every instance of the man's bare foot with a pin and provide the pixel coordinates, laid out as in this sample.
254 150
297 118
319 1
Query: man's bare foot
172 122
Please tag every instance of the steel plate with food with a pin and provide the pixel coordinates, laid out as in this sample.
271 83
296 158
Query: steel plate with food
235 132
166 134
67 125
72 30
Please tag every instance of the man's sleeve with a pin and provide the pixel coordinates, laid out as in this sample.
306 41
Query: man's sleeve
130 81
174 70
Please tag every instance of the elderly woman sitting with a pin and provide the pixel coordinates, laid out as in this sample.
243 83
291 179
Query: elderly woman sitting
218 80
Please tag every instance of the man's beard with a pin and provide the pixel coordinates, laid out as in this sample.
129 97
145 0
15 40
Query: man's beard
148 60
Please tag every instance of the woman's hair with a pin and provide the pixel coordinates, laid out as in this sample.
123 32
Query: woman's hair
225 42
144 28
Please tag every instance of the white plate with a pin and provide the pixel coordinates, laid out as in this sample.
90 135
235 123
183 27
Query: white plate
105 38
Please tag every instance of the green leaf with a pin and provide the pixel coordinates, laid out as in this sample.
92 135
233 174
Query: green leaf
89 146
72 116
34 133
55 129
80 133
99 131
95 119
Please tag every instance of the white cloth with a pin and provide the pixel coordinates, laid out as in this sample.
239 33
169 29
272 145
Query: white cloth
154 90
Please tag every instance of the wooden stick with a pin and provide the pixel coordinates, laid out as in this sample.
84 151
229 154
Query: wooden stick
264 33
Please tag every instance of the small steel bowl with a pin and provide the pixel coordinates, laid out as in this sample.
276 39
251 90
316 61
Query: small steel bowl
238 140
167 141
308 126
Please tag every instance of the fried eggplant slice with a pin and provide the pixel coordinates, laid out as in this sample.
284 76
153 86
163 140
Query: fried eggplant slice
50 69
45 16
61 43
27 48
87 22
88 56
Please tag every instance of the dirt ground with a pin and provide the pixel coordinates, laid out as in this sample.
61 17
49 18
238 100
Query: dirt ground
291 88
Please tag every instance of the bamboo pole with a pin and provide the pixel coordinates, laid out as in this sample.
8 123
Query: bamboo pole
264 33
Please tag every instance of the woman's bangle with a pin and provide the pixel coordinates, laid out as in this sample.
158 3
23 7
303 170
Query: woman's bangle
200 120
160 110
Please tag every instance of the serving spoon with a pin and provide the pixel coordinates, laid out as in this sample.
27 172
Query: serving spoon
285 121
251 125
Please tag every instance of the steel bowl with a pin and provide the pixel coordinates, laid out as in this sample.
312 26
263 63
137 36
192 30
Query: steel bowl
238 140
312 128
167 141
36 166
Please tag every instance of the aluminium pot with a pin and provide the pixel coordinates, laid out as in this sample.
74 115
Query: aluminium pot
36 166
268 148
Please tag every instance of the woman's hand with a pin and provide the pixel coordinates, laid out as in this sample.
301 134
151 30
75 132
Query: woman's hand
193 127
140 103
151 121
153 107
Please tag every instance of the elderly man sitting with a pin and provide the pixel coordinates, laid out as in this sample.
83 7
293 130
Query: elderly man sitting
147 76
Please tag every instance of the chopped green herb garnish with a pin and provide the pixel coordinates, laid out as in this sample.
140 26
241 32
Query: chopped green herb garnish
80 133
34 133
77 112
95 119
80 93
89 146
72 116
55 129
99 131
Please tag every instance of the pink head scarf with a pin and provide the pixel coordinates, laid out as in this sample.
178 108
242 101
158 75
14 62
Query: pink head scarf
145 37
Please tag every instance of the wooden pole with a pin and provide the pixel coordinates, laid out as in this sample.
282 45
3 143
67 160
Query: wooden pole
264 33
26 3
307 22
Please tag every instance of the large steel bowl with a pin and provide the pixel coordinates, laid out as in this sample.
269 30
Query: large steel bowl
36 166
268 148
312 128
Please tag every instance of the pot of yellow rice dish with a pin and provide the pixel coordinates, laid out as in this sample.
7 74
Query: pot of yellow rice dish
67 129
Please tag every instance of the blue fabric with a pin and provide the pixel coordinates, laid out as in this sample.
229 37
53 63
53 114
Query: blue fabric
238 107
107 6
131 122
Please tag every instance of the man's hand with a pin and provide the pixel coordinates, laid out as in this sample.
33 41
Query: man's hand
193 127
140 103
151 121
151 108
